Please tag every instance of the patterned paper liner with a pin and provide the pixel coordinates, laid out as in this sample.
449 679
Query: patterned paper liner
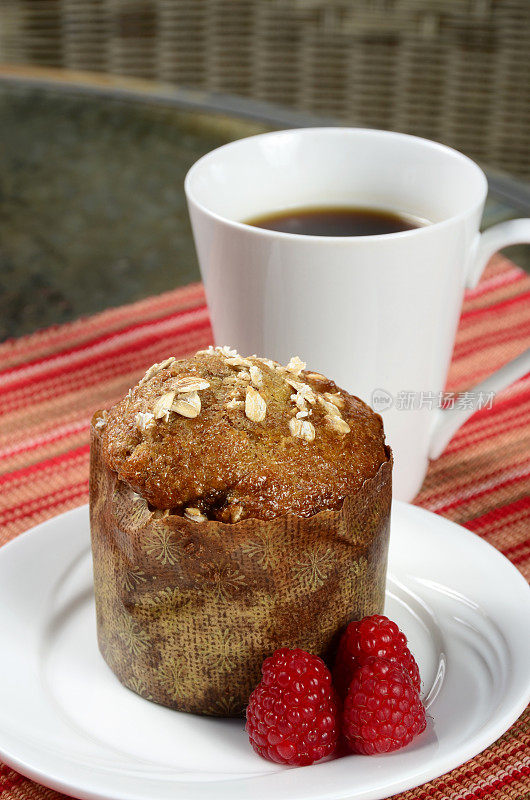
187 611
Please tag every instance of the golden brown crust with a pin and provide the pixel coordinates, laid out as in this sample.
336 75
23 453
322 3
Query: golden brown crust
232 438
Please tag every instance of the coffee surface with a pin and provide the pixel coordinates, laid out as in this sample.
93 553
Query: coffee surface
336 221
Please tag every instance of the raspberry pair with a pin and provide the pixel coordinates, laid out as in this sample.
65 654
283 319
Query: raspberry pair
295 715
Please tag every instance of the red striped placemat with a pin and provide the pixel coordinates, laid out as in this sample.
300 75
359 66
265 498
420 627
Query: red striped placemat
52 381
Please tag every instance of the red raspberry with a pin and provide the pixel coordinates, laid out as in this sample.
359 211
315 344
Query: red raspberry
382 710
372 636
292 713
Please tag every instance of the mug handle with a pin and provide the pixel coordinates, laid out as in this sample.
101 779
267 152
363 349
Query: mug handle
514 231
448 420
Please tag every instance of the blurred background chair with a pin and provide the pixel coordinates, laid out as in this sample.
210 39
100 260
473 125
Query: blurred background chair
105 104
452 70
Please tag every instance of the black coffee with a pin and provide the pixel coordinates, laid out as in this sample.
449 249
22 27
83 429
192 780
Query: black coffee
335 221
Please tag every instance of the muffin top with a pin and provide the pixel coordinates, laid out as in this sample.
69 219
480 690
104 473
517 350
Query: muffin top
223 437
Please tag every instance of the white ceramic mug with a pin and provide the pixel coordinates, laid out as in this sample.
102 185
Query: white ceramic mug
372 312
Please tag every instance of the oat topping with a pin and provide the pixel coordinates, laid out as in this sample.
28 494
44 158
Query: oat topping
162 405
256 376
317 376
302 429
255 405
155 369
225 437
144 420
299 401
337 423
194 514
224 350
191 384
296 365
187 405
303 389
269 363
234 404
101 421
236 513
335 398
227 351
239 361
330 408
183 398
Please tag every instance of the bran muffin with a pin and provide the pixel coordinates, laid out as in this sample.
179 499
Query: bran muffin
236 506
242 437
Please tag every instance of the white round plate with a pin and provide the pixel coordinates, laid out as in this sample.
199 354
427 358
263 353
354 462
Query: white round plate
67 722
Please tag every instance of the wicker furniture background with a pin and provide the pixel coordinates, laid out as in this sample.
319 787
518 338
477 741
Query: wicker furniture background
452 70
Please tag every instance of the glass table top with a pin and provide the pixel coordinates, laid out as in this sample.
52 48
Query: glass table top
92 207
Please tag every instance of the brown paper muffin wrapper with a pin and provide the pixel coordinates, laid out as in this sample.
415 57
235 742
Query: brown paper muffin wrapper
187 611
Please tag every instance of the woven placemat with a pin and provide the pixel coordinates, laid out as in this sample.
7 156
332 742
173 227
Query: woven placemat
52 381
